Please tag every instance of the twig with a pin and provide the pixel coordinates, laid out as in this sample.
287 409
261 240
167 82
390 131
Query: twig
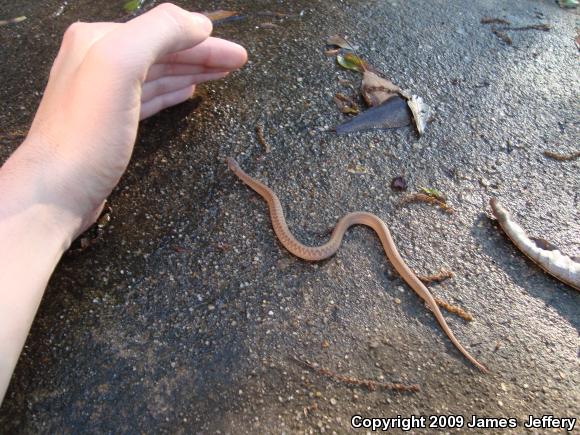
562 157
262 139
503 36
421 197
369 384
491 20
543 27
12 20
442 275
454 310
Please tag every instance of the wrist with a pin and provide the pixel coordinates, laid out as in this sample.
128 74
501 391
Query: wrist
30 200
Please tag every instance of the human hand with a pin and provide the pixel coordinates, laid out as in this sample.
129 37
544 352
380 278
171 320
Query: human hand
106 77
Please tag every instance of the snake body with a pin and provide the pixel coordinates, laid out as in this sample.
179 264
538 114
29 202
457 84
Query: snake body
317 253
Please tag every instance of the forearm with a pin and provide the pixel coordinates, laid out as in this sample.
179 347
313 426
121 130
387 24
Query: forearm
33 235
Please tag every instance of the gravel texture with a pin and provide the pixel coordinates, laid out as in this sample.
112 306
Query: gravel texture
184 317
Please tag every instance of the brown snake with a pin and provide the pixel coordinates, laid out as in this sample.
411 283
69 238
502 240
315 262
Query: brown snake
329 248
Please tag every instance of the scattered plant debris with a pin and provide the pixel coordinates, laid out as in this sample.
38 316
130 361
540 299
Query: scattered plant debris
133 5
12 20
341 41
351 61
12 136
262 139
355 168
454 310
344 82
331 52
222 16
505 25
272 14
562 157
368 384
560 266
399 183
420 113
433 192
503 36
542 27
391 114
94 233
376 90
269 26
310 409
442 275
492 20
345 104
421 197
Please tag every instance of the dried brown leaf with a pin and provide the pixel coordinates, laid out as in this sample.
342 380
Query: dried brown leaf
341 41
376 90
345 104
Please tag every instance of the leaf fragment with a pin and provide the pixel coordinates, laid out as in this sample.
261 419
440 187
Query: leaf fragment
220 15
12 20
432 192
345 104
376 90
421 197
355 168
421 113
351 61
133 5
341 41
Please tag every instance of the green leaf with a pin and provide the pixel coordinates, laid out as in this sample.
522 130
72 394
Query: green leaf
351 61
434 193
132 5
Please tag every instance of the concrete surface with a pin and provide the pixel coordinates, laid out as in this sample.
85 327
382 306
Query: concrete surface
184 317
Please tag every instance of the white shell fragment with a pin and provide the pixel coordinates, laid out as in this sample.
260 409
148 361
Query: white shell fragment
554 262
420 112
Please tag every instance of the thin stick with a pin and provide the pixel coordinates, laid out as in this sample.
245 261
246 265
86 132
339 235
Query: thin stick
562 157
369 384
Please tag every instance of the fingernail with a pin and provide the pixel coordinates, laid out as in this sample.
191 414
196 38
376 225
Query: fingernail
203 22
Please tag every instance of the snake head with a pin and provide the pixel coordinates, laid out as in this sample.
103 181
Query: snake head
232 164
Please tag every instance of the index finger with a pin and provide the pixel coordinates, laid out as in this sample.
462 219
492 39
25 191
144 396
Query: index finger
137 44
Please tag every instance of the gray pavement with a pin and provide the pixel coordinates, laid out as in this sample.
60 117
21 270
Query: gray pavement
185 316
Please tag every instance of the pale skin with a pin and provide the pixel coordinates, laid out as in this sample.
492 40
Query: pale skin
105 79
